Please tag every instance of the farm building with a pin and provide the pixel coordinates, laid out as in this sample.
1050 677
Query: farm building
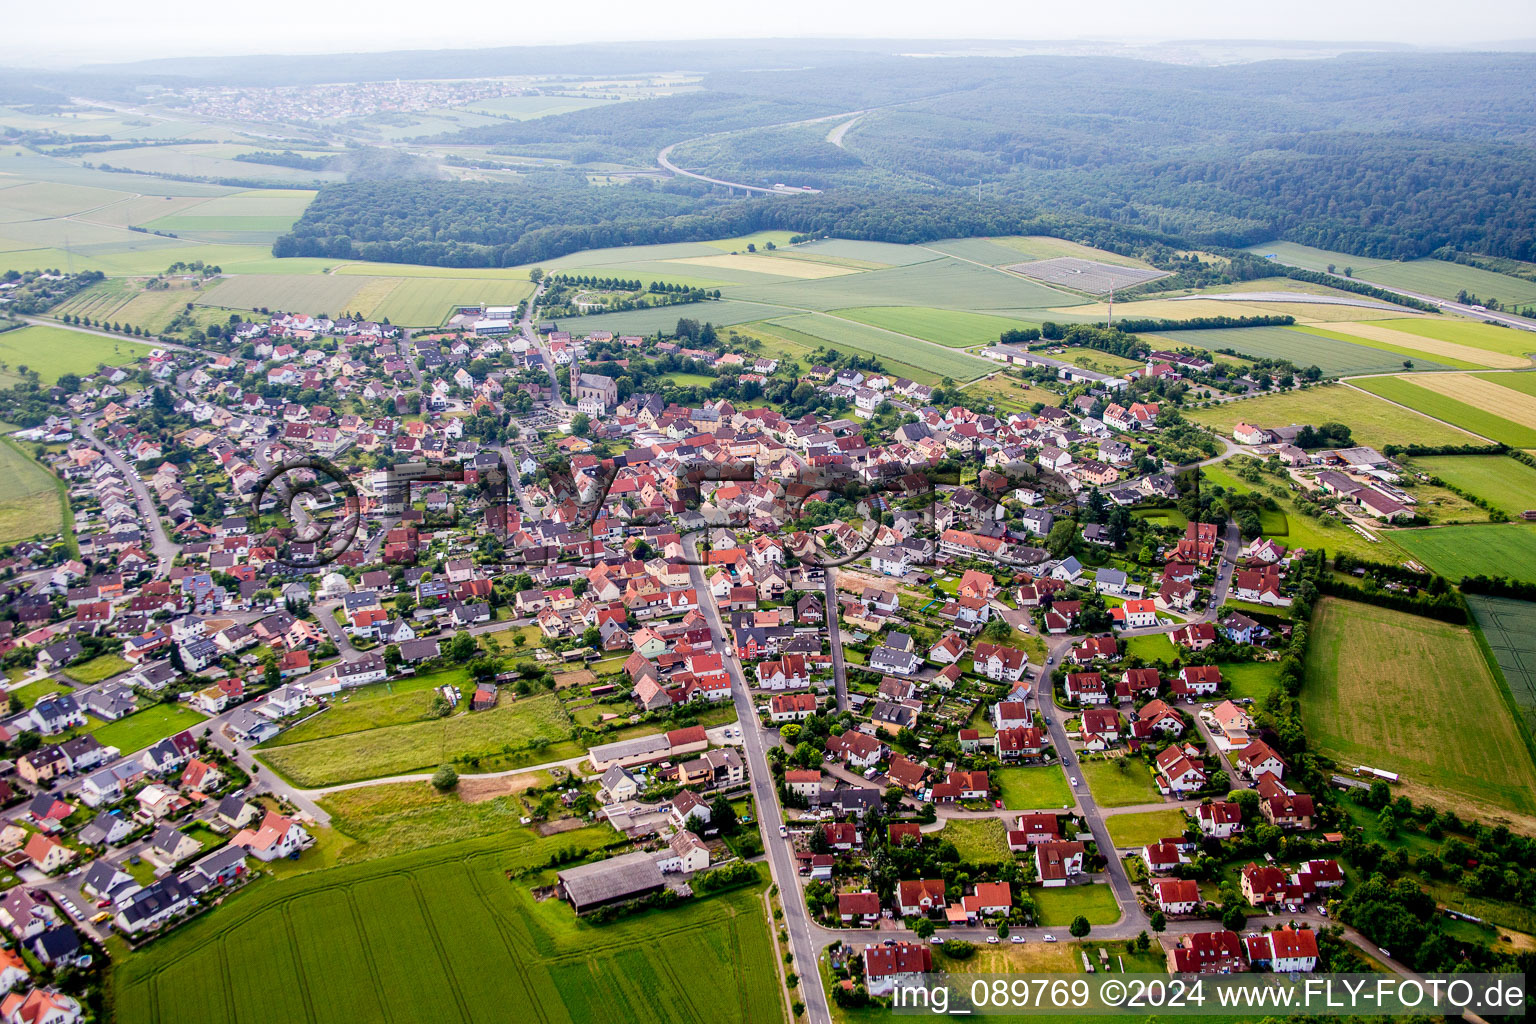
611 881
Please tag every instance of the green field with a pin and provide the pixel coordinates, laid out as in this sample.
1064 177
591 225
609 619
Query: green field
1525 383
409 939
1444 407
1508 484
1120 782
1333 353
1371 421
525 727
1430 276
381 821
1058 907
1253 679
1302 531
1414 696
1509 626
1507 549
143 728
978 840
55 351
31 693
1471 333
32 504
103 666
784 343
948 327
360 715
837 333
1135 830
1038 787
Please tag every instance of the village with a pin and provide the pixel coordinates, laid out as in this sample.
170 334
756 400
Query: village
977 677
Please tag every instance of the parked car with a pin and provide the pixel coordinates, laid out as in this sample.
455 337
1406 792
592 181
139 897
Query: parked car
783 831
992 940
1017 939
1050 938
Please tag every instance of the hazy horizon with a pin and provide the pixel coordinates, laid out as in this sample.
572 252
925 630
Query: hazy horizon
105 31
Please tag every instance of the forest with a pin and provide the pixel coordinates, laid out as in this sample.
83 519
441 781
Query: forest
1386 156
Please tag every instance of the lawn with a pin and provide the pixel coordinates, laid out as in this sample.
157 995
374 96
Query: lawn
1151 647
1058 907
978 840
1251 679
1497 413
1508 484
376 711
1500 549
55 351
1121 782
1137 830
1371 421
32 504
103 666
33 692
1038 787
390 940
142 728
380 821
1414 696
525 728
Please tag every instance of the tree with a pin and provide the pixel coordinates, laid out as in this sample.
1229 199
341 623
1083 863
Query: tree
581 424
1158 922
1079 927
271 675
1233 918
997 630
923 928
462 647
1061 538
536 275
1002 930
445 779
722 815
392 657
1143 943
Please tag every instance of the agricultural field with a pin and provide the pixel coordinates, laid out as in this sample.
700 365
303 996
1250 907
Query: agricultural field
1119 782
940 282
1128 831
414 920
1497 413
255 217
1058 907
1460 343
1085 275
846 333
142 728
1509 627
381 821
948 327
1508 484
663 318
1032 788
32 504
55 351
1428 276
978 840
521 730
1371 421
1334 354
1525 383
1009 394
1413 695
1507 549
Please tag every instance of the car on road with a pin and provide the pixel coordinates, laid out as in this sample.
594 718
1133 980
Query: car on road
1050 938
935 941
783 831
103 916
992 940
1017 939
1073 781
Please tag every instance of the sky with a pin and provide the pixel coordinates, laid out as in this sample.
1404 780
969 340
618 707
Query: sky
86 31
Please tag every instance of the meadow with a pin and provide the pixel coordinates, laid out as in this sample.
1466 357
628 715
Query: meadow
444 934
978 840
1497 413
1507 549
1253 679
1446 340
1129 831
1037 787
1371 421
32 504
55 351
1509 485
1509 627
521 727
1414 696
934 358
1119 782
1334 354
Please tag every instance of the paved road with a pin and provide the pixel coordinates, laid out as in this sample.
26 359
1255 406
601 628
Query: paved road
161 545
835 633
804 939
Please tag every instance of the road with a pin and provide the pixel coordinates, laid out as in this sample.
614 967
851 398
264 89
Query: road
161 545
805 939
835 634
